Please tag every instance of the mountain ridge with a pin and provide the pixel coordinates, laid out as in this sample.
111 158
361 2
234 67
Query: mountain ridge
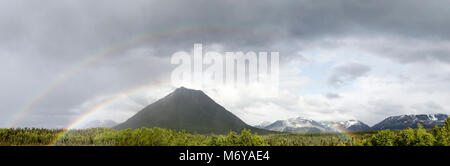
392 123
305 125
194 111
411 121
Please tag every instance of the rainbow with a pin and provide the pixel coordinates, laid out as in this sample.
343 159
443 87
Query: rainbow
75 69
345 134
27 108
99 107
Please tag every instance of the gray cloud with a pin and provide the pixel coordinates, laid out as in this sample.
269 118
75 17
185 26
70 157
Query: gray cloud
429 107
344 74
407 50
41 41
332 96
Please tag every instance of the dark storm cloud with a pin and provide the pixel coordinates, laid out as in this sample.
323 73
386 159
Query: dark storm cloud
409 52
40 40
57 27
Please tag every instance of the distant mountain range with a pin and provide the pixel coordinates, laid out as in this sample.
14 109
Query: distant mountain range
304 125
189 110
297 125
100 123
405 121
350 125
194 111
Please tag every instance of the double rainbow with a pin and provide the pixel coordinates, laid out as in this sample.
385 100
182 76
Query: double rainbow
72 71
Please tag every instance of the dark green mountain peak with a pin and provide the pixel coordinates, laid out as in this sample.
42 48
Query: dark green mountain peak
187 109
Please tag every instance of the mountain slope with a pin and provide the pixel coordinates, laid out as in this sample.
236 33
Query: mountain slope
190 110
350 125
298 125
405 121
304 125
100 123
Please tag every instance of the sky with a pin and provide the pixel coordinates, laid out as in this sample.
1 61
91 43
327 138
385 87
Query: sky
68 63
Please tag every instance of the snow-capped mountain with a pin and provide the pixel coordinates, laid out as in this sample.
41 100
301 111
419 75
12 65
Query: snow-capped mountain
350 125
305 125
263 125
298 125
405 121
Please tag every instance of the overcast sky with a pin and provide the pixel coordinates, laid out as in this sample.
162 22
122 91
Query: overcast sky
340 59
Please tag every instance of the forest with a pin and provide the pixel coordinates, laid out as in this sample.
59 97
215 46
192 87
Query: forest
437 136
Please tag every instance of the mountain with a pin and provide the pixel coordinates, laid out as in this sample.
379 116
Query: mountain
304 125
100 123
350 125
263 124
298 125
405 121
189 110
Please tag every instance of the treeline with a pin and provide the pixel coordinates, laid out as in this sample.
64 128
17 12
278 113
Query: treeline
156 137
310 139
128 137
27 136
438 136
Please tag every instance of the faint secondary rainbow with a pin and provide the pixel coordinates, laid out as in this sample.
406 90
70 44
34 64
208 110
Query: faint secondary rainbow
103 53
345 134
101 106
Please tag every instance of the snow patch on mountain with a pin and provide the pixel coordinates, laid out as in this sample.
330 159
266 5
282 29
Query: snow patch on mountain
298 125
305 125
411 121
